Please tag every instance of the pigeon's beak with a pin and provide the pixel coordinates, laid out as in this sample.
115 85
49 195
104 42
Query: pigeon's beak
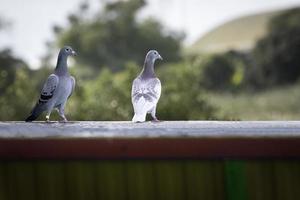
74 53
159 57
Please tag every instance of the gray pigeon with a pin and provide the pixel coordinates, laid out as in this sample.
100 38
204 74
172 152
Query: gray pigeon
57 89
146 90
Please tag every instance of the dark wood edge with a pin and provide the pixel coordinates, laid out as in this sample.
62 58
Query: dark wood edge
158 148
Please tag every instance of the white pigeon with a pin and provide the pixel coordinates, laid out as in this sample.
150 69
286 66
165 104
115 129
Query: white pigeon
146 90
57 89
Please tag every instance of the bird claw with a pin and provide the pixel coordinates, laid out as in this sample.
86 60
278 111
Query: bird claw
155 120
63 121
47 119
139 122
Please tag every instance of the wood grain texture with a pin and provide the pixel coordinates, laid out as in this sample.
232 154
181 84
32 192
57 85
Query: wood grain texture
165 129
156 179
166 140
160 148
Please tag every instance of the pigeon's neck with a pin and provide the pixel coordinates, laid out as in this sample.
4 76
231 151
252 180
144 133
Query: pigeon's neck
62 65
148 69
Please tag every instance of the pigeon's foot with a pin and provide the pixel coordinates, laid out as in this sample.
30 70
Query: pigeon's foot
47 119
63 121
155 120
63 117
138 122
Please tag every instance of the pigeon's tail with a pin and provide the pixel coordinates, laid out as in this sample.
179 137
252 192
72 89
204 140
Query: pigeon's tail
31 118
37 110
139 118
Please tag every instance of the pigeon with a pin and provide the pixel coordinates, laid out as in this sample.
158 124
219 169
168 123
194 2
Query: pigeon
146 90
57 89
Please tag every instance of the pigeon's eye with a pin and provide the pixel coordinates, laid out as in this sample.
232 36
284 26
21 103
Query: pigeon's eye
67 49
155 53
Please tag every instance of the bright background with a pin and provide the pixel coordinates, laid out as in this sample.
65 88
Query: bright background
223 60
31 21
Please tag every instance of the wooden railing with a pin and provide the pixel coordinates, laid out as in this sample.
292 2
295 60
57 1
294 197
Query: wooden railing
167 160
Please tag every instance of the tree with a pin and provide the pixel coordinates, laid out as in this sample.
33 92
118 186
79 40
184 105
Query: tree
17 100
8 66
182 96
277 54
114 36
223 71
108 97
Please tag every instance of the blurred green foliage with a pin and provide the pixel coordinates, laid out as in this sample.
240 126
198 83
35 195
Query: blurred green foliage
277 55
112 45
182 96
18 97
9 65
217 72
274 60
280 103
108 97
223 71
114 36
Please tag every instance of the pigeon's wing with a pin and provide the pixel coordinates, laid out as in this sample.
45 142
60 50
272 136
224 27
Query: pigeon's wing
145 95
46 94
155 89
48 89
73 82
135 90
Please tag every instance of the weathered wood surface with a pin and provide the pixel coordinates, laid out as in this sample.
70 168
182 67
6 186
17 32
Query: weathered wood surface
126 140
97 160
167 129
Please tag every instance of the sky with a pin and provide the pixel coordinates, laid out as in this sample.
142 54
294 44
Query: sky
31 21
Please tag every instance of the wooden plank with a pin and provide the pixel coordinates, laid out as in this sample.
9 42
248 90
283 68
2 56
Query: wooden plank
170 180
236 180
260 180
287 179
166 129
80 180
3 183
149 148
155 179
111 180
10 181
141 180
170 139
21 180
219 180
50 181
204 180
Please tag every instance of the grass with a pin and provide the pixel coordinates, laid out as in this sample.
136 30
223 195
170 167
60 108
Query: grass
275 104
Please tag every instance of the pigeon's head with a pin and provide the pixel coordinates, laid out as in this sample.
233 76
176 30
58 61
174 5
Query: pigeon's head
67 51
153 55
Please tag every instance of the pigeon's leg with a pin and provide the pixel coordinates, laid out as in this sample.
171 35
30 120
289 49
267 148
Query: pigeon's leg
61 112
49 110
48 116
153 114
